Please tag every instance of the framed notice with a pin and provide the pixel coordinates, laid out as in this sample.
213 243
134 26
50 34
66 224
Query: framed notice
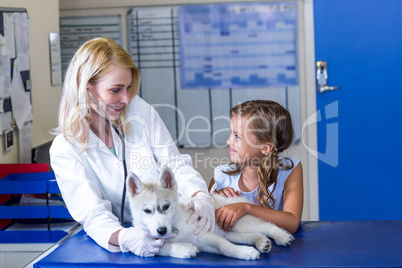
9 139
55 58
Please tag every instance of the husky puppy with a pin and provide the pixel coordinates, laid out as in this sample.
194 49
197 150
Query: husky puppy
158 209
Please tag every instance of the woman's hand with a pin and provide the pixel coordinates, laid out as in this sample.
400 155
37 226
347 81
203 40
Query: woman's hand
139 242
227 216
203 206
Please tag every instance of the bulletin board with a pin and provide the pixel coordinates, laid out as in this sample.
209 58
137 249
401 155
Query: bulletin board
15 80
197 61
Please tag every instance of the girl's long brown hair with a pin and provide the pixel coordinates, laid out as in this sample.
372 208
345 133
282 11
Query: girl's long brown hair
270 123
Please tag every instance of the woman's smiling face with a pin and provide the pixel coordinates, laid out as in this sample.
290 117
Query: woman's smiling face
112 93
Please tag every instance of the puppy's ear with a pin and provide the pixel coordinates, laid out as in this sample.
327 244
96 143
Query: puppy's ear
166 179
134 184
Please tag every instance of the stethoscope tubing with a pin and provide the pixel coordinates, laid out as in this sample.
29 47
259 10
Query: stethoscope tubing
120 134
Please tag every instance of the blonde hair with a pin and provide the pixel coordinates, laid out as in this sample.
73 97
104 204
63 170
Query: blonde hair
270 123
91 63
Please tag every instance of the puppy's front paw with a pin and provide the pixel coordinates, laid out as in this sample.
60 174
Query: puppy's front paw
284 238
264 245
248 253
184 251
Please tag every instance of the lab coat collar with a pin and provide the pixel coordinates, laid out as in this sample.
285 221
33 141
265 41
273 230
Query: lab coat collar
95 142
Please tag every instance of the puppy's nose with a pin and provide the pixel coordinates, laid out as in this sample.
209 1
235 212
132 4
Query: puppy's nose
162 230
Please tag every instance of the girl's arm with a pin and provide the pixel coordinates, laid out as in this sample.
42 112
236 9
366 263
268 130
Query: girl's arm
289 218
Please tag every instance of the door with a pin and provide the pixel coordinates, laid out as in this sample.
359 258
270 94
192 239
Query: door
360 124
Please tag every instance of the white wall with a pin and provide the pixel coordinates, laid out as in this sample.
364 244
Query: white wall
44 18
73 8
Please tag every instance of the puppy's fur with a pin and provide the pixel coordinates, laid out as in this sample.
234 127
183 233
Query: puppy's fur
157 208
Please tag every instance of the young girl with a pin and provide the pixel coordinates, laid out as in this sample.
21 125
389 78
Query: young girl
260 130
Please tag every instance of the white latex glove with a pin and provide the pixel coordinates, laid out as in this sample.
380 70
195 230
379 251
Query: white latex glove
139 242
204 212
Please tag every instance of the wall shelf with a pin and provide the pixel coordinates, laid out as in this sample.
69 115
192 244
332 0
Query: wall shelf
35 209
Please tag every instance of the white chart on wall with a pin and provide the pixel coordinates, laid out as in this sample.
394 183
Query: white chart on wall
74 31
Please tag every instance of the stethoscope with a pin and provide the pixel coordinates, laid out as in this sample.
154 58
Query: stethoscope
119 133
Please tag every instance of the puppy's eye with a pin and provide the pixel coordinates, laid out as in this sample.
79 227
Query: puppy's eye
165 207
147 211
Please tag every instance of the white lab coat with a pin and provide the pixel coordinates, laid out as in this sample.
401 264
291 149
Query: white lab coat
91 183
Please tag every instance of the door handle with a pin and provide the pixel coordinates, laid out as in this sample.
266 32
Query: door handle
323 89
322 77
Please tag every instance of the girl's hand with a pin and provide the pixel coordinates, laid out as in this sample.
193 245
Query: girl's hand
227 216
228 192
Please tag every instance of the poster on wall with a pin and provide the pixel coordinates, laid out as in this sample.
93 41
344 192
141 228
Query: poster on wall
242 45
